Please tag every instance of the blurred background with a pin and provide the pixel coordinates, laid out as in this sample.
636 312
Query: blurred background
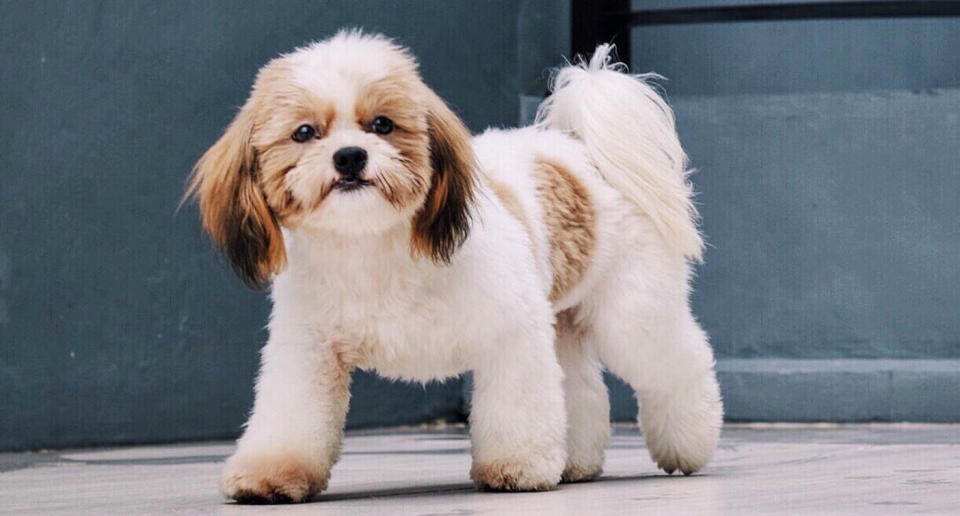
825 135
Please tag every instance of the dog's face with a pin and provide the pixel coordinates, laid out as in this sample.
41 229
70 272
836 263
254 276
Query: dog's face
342 136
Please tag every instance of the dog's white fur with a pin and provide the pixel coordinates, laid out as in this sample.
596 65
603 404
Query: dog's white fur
354 294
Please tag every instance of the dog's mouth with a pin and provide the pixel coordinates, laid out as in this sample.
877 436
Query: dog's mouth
347 184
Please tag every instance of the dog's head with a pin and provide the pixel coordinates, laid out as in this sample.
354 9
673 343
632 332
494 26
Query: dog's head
342 135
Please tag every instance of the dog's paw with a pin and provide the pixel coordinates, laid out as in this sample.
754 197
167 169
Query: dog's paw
269 479
670 459
507 476
580 473
685 449
682 428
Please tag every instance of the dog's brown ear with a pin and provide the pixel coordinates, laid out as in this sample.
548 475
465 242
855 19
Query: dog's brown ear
443 222
232 205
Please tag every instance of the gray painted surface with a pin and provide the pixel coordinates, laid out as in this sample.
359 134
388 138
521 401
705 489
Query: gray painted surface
828 176
543 42
819 390
832 220
117 322
801 56
841 390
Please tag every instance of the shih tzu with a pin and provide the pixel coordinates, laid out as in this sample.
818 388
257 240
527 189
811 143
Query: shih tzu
393 241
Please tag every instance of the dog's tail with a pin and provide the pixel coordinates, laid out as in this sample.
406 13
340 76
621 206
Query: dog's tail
631 136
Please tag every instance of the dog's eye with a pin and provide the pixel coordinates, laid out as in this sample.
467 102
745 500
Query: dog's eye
382 125
304 133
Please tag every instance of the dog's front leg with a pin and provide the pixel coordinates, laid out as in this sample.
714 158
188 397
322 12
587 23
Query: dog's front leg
517 417
293 436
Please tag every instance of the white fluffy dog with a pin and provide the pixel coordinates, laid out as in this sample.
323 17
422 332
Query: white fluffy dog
394 242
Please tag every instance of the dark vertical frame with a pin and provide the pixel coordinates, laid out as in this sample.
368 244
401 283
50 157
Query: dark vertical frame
600 21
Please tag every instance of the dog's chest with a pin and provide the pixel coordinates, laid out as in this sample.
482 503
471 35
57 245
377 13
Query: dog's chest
396 324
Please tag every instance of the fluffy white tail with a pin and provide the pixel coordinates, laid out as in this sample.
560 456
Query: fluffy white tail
630 133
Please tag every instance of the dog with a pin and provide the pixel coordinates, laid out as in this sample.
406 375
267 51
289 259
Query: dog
393 241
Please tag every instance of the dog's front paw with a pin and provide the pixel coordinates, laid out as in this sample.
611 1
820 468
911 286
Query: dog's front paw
507 476
271 478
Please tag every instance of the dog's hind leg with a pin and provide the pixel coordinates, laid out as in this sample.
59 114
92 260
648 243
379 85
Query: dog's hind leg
587 402
645 334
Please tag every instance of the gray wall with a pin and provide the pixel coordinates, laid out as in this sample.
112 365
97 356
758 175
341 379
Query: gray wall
117 321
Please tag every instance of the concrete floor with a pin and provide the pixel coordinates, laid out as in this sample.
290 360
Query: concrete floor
820 469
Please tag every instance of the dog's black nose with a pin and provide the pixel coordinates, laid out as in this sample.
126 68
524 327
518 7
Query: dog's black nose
350 161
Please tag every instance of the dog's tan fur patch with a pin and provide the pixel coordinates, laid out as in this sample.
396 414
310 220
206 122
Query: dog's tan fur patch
280 478
568 323
502 476
570 219
513 206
